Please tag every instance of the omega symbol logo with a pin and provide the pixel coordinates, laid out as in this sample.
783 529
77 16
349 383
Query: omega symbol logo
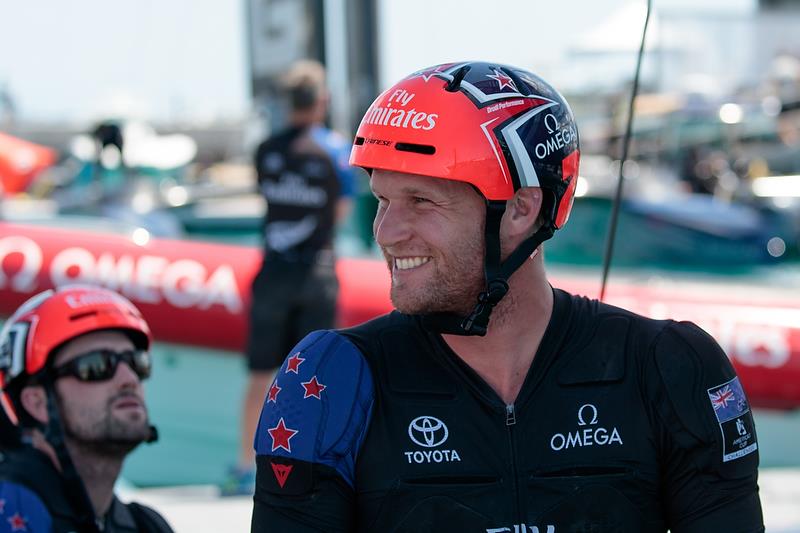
558 137
548 120
427 431
583 411
590 434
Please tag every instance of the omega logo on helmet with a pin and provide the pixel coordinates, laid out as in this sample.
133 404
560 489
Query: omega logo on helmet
560 136
551 124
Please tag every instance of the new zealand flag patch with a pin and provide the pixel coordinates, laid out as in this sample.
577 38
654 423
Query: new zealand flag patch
734 418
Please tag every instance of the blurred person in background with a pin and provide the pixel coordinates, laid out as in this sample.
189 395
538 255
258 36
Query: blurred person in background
304 174
72 362
490 401
106 134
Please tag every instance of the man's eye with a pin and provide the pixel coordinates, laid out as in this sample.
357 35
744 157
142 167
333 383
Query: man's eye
420 200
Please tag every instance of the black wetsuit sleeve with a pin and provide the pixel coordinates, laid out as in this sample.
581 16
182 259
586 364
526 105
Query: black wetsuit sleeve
706 435
328 505
313 422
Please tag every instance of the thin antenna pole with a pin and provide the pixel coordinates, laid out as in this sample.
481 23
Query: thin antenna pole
612 226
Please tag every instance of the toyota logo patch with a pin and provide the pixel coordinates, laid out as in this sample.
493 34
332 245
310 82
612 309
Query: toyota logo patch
427 431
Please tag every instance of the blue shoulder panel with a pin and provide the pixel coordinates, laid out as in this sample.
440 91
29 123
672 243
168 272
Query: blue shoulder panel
22 510
339 150
319 406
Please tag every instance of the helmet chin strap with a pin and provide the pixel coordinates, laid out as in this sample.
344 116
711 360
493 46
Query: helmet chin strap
153 436
54 434
496 273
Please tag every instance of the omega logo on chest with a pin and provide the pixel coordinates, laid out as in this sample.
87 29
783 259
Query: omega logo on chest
589 432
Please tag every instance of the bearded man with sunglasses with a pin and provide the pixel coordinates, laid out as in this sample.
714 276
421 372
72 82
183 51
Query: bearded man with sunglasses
72 363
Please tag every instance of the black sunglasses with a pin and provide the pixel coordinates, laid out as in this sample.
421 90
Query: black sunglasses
100 365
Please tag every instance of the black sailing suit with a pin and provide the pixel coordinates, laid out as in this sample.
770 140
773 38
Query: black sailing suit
623 423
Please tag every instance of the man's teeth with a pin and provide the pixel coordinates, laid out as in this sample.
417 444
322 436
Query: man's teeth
410 262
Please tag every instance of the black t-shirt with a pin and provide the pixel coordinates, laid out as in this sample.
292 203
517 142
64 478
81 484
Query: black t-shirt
34 497
623 423
302 172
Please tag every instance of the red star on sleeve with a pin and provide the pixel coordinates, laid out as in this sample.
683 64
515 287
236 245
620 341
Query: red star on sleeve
293 363
313 388
18 522
273 392
281 435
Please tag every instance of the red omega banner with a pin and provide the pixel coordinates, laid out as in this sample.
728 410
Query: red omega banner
198 293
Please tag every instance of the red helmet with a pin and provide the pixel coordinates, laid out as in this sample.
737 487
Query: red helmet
28 339
51 318
494 126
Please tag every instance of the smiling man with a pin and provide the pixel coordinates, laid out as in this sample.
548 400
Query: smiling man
490 401
72 364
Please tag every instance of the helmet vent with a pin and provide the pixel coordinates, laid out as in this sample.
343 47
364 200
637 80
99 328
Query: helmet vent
458 76
425 149
82 315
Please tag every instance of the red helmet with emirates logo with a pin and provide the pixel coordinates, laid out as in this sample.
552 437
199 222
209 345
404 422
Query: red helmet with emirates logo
496 127
51 318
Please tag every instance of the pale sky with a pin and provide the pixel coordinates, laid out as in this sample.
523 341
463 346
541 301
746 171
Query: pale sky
534 34
169 59
82 58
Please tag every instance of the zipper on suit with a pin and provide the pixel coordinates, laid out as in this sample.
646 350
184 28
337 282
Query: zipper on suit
511 420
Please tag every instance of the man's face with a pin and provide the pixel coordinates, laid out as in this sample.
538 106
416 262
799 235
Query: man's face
431 233
108 415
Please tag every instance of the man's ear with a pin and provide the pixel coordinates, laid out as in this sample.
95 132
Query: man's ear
34 400
523 212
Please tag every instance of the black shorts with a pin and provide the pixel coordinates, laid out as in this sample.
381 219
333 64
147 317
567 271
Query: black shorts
290 300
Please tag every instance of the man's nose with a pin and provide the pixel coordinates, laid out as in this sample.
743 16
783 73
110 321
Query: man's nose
125 374
392 225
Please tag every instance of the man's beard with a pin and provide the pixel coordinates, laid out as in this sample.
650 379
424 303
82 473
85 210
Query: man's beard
451 288
111 435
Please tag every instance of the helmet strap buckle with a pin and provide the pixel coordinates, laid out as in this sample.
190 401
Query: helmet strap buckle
477 322
497 274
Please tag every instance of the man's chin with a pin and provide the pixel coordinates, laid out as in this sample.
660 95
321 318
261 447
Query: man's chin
124 443
402 301
418 307
130 432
